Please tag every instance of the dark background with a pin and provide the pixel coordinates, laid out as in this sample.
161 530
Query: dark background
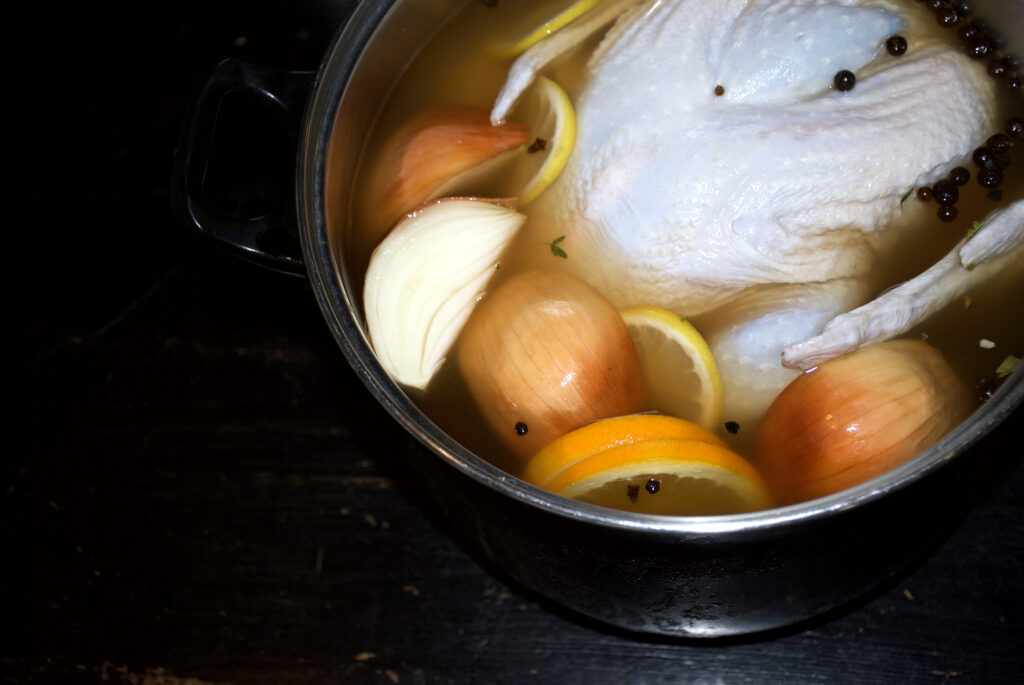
200 490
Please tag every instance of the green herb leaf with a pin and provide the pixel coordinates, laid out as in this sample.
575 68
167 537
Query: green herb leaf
555 249
975 227
970 267
906 195
1008 366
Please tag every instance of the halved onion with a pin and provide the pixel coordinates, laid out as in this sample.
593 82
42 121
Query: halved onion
425 278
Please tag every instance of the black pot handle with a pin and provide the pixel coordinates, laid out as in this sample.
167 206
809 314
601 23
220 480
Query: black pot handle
271 237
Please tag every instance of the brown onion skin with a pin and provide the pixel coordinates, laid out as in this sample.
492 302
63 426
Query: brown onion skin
856 417
547 350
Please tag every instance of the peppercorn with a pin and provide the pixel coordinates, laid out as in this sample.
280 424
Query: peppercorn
935 5
924 194
845 80
978 47
945 192
1015 127
947 17
653 485
1000 143
990 177
896 45
967 32
985 388
521 428
1002 161
719 91
963 8
983 157
996 69
947 213
1013 83
960 176
732 427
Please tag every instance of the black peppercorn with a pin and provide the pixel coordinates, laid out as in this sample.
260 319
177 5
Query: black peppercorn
521 428
653 485
985 388
1002 161
924 194
960 176
719 91
1000 143
996 69
968 32
845 80
935 5
947 213
1013 83
945 192
947 17
983 156
963 8
896 45
978 47
1015 127
732 427
990 177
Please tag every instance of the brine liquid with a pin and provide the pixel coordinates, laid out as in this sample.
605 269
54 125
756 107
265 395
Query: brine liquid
460 66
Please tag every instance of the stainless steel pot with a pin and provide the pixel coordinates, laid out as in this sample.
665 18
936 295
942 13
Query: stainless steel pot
693 577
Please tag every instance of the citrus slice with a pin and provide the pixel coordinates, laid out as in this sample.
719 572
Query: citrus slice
668 476
679 371
604 434
548 27
548 112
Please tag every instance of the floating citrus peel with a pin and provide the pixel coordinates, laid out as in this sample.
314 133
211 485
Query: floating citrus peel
649 463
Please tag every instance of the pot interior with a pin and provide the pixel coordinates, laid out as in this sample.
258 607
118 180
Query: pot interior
359 74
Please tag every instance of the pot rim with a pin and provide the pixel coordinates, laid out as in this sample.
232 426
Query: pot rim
328 277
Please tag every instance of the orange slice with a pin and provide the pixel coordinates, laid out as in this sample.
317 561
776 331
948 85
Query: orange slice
602 435
669 476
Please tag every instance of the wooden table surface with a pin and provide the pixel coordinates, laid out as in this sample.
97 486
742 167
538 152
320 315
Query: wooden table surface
201 491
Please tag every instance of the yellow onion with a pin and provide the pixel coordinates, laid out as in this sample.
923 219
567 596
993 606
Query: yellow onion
425 278
857 416
547 353
420 161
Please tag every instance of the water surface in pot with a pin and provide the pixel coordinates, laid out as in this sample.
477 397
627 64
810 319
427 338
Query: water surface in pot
464 65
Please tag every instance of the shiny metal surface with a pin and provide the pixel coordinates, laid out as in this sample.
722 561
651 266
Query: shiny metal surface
694 577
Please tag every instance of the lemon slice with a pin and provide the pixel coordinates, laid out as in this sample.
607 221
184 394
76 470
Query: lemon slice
679 371
548 27
669 476
604 434
548 112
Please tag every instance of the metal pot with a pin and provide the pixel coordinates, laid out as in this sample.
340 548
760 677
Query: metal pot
693 577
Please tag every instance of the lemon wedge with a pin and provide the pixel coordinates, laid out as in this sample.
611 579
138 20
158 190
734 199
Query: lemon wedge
680 374
669 476
604 434
566 16
551 119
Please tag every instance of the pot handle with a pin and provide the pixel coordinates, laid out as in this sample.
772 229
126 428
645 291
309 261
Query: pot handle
270 236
